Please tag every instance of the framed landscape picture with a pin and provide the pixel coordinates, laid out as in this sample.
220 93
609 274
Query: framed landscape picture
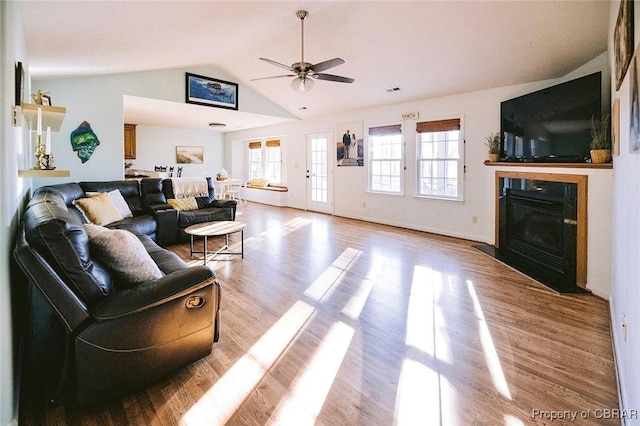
189 154
209 91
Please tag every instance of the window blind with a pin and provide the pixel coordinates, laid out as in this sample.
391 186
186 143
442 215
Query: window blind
395 129
438 125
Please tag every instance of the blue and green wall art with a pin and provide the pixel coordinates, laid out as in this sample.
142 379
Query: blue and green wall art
84 141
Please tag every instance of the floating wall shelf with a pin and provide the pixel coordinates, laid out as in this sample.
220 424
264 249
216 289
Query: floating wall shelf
52 116
43 173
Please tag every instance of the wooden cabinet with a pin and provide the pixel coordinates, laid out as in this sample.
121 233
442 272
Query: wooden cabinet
129 141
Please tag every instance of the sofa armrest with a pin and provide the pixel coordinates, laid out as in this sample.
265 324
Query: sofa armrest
153 293
231 205
223 204
167 223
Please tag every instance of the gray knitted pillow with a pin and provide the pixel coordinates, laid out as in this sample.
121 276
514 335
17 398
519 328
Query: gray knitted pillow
123 253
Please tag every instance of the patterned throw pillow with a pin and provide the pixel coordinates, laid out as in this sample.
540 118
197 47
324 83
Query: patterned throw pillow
124 254
98 210
259 182
183 204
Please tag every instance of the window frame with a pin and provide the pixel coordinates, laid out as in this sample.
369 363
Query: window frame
436 126
263 148
384 131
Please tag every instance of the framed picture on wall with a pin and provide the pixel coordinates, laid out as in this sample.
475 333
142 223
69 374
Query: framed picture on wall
209 91
189 154
615 122
19 84
350 144
623 40
634 103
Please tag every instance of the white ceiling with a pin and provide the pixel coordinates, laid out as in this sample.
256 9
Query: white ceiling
425 48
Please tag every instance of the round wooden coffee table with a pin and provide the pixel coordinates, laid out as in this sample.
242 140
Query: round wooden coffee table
216 229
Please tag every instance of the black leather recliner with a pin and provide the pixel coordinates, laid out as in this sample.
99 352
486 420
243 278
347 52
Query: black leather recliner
114 339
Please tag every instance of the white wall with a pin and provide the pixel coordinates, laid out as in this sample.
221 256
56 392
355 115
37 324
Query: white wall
625 299
99 101
13 152
156 146
480 112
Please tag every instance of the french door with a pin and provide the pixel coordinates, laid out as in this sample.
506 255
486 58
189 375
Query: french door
320 152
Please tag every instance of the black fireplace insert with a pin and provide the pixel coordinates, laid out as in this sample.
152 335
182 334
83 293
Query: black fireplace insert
538 230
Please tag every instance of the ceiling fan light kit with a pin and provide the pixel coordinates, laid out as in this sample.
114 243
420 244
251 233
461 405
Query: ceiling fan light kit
303 72
302 84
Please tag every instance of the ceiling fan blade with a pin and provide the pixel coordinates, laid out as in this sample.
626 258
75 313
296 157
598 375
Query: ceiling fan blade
278 64
336 78
327 64
275 76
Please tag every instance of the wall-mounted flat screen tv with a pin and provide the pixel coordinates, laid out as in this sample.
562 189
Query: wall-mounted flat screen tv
552 125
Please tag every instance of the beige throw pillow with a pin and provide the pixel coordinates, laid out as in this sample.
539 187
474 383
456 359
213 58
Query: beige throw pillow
98 210
124 254
118 201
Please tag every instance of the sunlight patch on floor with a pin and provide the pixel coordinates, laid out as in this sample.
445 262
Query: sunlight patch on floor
310 389
286 228
219 403
325 284
418 395
510 420
421 387
423 331
488 347
354 306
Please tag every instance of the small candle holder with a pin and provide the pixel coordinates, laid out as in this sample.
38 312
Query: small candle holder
39 153
44 161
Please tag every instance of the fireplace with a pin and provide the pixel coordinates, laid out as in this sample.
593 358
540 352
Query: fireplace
541 227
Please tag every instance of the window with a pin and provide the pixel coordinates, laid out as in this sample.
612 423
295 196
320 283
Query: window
385 159
265 161
439 159
255 160
273 161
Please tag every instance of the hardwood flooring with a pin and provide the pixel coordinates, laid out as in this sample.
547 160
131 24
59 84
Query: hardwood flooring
334 321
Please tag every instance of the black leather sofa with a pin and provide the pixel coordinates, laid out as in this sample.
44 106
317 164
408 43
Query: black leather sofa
109 338
209 209
152 216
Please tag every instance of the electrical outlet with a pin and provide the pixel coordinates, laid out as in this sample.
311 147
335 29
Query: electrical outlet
474 219
624 328
364 204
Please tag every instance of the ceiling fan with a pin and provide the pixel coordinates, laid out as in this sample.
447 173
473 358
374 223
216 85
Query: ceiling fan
304 72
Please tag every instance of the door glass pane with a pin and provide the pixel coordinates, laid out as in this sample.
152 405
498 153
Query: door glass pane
319 170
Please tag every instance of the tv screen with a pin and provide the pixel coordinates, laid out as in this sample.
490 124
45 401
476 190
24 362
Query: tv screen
552 124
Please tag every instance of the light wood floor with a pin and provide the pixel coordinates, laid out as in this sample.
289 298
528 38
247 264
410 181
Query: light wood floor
333 321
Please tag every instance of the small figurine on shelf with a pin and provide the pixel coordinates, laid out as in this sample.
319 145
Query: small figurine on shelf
41 98
46 162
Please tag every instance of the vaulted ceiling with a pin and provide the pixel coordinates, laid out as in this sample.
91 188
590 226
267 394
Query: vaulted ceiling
425 48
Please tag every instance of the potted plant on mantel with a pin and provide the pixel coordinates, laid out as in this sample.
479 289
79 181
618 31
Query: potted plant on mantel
493 143
600 140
